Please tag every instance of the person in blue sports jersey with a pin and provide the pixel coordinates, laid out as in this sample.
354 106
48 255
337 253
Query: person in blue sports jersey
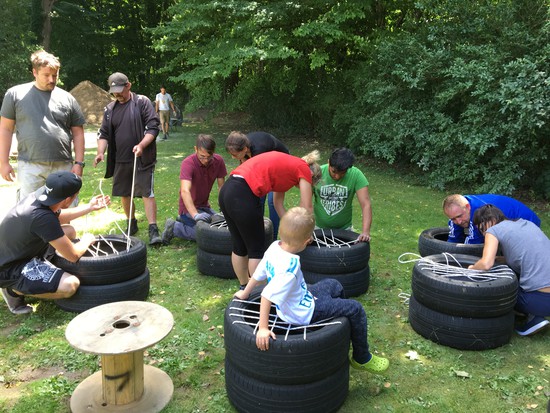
460 210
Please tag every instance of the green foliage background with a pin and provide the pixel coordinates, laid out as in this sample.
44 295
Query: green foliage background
39 369
457 90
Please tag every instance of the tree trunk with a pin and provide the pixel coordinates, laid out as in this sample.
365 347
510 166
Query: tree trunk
47 6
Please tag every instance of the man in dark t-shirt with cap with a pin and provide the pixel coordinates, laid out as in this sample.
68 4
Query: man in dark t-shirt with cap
36 223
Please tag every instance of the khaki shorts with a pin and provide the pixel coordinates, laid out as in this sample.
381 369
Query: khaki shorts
32 175
164 116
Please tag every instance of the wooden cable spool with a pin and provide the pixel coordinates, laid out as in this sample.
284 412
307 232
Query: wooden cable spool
119 332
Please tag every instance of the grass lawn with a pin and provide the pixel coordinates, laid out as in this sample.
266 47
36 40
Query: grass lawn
39 369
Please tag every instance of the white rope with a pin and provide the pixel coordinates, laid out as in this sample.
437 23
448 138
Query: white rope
405 298
111 231
110 244
331 241
131 204
273 320
219 224
452 268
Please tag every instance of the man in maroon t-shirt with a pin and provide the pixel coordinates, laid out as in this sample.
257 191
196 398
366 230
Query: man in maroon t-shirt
197 175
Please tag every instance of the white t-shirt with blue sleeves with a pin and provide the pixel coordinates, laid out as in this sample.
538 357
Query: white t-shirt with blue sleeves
286 287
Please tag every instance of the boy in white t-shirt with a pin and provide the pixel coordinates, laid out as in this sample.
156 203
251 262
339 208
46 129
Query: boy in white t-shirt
295 303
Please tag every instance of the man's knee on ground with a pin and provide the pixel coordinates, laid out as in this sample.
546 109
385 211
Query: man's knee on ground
69 231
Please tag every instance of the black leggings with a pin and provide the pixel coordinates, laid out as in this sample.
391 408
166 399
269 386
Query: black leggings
244 215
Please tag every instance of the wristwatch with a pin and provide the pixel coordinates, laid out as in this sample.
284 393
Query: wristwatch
82 164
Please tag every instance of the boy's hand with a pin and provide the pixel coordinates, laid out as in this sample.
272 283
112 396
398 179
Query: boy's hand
262 338
241 295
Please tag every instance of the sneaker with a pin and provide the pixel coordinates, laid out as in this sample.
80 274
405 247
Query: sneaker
375 365
154 237
164 137
133 227
16 304
533 325
168 232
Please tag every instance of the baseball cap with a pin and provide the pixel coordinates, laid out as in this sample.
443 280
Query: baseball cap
59 185
116 82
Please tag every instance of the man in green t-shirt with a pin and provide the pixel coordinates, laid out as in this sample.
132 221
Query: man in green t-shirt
333 195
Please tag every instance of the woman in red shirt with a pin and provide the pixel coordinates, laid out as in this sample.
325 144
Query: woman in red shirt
240 203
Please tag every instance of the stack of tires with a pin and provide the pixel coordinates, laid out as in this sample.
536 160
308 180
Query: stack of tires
113 274
349 264
301 372
458 311
214 246
434 241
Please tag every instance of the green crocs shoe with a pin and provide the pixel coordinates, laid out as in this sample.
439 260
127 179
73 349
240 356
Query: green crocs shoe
375 365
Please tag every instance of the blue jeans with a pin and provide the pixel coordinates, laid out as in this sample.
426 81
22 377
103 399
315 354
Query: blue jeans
330 302
273 216
185 227
534 302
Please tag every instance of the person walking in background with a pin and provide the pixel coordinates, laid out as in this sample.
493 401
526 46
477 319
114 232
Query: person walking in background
198 173
243 147
163 103
301 304
129 129
333 195
525 249
35 227
460 210
47 120
240 202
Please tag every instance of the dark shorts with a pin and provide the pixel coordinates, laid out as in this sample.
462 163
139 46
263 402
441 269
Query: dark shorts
122 181
34 277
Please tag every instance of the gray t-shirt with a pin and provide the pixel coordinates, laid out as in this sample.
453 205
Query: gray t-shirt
526 250
43 122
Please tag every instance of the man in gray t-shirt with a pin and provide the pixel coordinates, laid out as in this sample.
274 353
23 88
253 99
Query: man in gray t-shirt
47 120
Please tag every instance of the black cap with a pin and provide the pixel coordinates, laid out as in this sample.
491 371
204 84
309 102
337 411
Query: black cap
59 186
116 82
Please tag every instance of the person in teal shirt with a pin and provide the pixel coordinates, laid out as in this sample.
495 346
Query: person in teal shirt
333 195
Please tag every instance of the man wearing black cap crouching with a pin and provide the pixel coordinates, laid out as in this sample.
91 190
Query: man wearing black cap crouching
37 222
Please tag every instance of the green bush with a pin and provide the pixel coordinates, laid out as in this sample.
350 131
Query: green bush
464 96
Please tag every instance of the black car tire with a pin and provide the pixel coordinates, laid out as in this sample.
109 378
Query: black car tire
254 396
294 360
434 241
459 295
89 296
108 269
335 260
217 240
216 265
354 283
462 333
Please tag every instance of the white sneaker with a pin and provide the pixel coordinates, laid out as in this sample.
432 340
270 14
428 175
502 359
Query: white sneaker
16 304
